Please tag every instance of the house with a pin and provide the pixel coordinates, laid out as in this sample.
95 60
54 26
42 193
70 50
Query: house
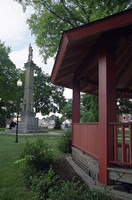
66 124
97 59
125 118
49 123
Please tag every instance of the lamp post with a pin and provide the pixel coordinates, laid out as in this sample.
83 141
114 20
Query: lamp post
118 115
118 106
19 84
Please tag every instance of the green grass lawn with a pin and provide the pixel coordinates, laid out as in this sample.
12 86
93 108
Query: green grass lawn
11 187
126 136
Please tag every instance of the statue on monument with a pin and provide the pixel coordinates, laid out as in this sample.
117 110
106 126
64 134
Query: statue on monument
30 54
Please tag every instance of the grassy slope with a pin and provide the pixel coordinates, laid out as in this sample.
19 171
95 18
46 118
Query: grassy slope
11 187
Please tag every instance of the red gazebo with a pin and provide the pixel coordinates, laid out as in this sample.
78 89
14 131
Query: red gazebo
97 59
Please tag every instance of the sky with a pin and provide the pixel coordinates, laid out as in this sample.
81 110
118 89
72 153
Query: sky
15 33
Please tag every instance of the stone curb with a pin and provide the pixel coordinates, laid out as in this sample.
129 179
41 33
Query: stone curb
96 185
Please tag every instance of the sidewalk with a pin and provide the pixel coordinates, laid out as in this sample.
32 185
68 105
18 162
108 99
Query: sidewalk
30 134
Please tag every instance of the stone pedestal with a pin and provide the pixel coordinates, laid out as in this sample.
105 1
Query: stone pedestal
27 123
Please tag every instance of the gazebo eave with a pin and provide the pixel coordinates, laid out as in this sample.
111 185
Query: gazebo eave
78 45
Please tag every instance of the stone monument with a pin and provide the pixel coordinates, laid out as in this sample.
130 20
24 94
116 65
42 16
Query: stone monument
28 122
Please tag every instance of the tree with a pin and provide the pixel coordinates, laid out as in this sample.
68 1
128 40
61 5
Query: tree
52 117
57 123
89 108
52 17
8 83
47 97
125 106
67 109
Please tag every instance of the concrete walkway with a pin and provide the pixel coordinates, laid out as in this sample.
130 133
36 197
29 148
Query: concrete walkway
31 134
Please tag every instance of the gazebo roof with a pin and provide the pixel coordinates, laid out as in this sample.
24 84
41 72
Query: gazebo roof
77 54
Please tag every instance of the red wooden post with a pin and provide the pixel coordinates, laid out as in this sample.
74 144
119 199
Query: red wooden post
107 106
76 102
115 143
75 106
123 143
130 143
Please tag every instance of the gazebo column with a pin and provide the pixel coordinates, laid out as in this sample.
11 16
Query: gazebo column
107 106
76 102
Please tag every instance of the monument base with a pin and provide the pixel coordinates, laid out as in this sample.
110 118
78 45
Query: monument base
28 123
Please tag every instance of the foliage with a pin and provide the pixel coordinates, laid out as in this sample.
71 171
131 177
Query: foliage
66 190
71 190
11 186
67 109
51 117
51 18
8 83
65 142
36 157
2 122
125 106
48 186
47 97
41 185
89 108
57 123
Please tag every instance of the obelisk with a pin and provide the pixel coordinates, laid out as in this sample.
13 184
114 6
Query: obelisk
27 122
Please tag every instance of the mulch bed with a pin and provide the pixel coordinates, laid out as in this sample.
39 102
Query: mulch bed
66 172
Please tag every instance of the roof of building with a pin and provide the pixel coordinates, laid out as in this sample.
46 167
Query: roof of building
77 54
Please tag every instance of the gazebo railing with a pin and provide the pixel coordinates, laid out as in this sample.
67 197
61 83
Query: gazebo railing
85 137
122 143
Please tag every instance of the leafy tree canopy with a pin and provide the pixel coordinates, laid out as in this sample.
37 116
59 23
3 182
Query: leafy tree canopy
8 83
57 123
47 97
52 17
67 109
89 108
125 106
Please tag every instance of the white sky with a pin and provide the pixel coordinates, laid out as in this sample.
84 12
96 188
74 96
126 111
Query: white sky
15 33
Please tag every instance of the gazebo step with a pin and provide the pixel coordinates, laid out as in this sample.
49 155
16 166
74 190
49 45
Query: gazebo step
119 174
86 162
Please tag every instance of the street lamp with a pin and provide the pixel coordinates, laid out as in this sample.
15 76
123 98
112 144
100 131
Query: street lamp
118 115
118 106
19 84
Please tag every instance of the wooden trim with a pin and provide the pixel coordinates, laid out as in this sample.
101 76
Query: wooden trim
130 143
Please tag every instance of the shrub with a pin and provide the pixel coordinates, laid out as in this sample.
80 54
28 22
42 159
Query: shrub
71 190
41 185
67 190
36 157
95 195
65 142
